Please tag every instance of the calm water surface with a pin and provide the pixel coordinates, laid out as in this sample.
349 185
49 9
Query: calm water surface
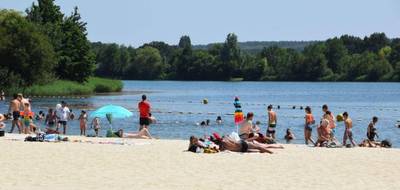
178 106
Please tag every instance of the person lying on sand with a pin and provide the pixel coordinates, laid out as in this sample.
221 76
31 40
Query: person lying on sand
197 145
228 143
142 134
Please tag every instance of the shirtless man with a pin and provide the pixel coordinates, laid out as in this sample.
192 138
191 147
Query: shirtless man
272 120
227 143
348 132
246 126
24 101
14 109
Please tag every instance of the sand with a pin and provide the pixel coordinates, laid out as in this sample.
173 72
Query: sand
163 164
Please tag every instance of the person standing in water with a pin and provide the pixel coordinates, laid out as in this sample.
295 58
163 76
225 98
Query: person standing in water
83 119
64 116
348 134
272 120
371 131
144 109
14 109
309 121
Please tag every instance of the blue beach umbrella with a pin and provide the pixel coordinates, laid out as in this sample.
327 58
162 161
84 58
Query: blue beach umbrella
111 111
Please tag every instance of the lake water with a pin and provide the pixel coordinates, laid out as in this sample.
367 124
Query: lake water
178 106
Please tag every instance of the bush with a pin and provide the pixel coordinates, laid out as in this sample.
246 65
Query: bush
69 88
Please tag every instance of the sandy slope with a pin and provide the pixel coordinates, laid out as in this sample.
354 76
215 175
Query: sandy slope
163 164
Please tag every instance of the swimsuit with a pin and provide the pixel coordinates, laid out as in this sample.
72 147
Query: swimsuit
16 115
372 134
271 128
243 146
308 127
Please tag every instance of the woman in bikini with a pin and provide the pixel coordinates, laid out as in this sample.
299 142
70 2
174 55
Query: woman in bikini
309 122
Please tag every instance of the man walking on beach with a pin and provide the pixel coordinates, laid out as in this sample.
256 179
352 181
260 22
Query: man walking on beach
144 109
272 120
348 132
14 108
64 116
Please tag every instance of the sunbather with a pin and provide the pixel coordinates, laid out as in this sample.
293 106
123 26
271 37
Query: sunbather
142 134
228 143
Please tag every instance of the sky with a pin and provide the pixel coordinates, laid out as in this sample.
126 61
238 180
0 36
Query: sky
134 22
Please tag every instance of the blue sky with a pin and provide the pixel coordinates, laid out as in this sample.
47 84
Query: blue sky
134 22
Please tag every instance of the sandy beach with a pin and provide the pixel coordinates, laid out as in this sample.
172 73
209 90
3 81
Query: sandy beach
164 164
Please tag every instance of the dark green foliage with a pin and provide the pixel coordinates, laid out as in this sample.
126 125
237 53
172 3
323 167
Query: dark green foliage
347 58
77 60
26 56
69 38
43 46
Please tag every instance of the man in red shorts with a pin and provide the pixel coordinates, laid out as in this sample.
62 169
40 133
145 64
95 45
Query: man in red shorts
144 109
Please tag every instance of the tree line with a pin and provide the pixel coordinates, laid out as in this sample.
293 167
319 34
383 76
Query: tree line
43 45
344 58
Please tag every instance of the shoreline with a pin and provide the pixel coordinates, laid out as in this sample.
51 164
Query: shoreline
164 164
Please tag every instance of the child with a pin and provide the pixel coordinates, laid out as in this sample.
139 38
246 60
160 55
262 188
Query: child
27 116
96 125
309 121
51 121
83 122
289 135
71 115
348 134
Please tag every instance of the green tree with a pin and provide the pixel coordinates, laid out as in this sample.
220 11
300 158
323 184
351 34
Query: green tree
77 60
353 44
255 68
335 51
394 56
315 64
230 57
49 17
147 65
26 55
376 41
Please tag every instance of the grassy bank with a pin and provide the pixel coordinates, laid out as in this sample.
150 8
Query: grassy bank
69 88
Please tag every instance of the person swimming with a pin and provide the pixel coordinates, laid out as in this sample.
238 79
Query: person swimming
289 135
219 120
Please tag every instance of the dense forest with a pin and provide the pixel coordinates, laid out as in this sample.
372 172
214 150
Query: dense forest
43 45
344 58
254 47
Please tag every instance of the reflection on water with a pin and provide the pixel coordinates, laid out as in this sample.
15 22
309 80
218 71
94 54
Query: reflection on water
178 105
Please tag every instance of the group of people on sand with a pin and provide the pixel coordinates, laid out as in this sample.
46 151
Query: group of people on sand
251 139
24 119
326 130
